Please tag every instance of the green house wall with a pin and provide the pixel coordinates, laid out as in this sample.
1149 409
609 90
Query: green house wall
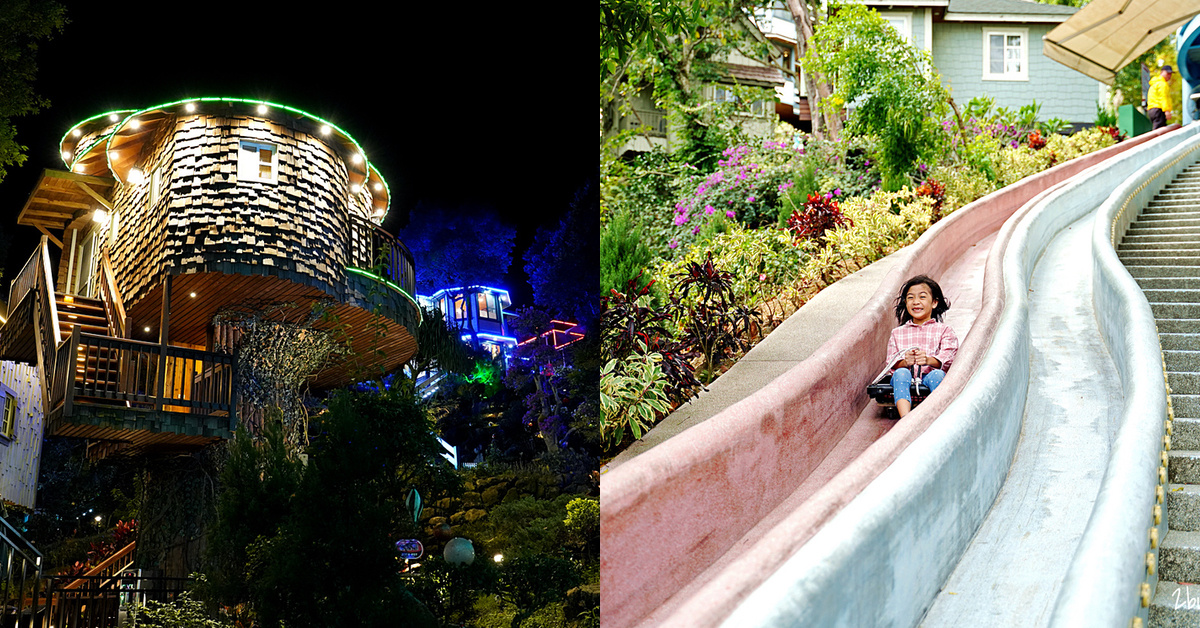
1061 91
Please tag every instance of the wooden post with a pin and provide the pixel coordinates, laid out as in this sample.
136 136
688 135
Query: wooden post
165 322
72 351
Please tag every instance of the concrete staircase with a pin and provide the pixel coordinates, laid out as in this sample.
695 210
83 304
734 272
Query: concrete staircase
1162 252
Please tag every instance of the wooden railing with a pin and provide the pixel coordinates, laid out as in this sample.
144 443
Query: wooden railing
108 568
102 370
98 601
26 280
370 246
114 306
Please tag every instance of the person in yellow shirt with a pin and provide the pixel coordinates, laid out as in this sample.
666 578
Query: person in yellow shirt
1161 99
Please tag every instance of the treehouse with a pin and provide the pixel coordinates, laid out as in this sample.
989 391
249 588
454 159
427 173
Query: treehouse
164 217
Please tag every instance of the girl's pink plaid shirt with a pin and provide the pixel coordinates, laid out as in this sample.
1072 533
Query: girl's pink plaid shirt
936 338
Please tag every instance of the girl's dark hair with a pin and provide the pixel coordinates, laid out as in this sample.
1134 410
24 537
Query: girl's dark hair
902 314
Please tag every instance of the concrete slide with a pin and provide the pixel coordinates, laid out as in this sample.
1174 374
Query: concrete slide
802 505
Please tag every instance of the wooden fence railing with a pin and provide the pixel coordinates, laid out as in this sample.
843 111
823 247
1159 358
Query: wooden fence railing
370 245
119 371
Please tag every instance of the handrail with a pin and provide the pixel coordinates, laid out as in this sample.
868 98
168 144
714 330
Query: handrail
365 243
106 564
51 306
36 559
25 281
114 306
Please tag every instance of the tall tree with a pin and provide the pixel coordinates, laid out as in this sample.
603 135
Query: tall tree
438 347
23 24
563 263
696 41
816 85
460 247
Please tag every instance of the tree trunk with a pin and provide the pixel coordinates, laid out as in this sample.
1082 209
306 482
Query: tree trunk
817 88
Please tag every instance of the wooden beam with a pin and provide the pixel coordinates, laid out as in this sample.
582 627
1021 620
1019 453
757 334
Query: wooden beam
164 324
95 195
70 204
51 237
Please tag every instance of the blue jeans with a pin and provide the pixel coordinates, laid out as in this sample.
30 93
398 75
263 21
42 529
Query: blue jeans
902 382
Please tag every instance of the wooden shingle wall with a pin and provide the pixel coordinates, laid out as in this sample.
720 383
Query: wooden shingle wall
137 249
19 457
207 220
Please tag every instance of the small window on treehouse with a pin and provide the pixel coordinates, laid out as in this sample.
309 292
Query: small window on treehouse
460 309
8 427
257 162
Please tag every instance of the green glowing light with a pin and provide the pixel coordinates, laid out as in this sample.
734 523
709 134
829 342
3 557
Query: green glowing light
319 120
63 142
482 374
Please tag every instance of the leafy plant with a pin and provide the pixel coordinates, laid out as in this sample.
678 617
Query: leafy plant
713 323
820 214
632 395
185 612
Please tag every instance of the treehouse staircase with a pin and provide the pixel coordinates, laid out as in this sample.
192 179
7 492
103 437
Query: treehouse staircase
97 369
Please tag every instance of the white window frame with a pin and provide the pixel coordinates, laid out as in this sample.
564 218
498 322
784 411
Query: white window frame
10 411
905 19
249 167
988 75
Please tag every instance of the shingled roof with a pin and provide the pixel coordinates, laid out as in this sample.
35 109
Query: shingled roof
1008 7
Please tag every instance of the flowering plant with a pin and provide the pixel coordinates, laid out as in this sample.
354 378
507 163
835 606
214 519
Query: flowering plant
820 214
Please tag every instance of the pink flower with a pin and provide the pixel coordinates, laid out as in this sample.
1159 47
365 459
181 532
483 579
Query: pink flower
674 244
750 200
696 230
708 210
729 212
762 277
680 219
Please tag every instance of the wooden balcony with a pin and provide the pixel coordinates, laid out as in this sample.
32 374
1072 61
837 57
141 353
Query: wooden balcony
147 395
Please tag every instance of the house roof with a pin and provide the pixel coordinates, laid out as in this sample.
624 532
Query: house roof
760 76
1006 11
118 137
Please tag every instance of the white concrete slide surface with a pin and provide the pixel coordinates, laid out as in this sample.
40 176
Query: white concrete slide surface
883 560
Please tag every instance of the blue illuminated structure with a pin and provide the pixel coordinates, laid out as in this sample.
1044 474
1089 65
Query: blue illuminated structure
477 312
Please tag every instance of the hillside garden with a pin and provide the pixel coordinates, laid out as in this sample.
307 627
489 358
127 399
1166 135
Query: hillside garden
702 258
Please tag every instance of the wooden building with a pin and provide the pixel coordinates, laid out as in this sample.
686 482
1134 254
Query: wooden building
164 216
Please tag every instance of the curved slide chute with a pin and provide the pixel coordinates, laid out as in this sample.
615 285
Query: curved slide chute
705 524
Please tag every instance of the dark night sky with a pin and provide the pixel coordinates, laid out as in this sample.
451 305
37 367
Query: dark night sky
470 104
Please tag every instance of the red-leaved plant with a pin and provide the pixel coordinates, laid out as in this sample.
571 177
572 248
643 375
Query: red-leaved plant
935 190
1036 141
820 214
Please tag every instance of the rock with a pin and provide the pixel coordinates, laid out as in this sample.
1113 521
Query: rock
456 518
581 599
471 499
512 495
473 515
492 496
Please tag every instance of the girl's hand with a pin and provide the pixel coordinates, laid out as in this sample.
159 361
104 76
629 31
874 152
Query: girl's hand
910 356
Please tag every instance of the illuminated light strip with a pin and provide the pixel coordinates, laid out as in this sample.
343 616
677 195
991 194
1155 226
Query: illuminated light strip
391 285
449 290
497 337
294 110
63 141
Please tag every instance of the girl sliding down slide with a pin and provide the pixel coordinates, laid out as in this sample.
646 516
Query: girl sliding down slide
930 344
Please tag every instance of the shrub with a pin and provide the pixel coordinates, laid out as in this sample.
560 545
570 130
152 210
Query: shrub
632 395
820 215
623 253
714 324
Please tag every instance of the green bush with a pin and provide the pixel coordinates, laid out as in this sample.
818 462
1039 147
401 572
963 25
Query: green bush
623 252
